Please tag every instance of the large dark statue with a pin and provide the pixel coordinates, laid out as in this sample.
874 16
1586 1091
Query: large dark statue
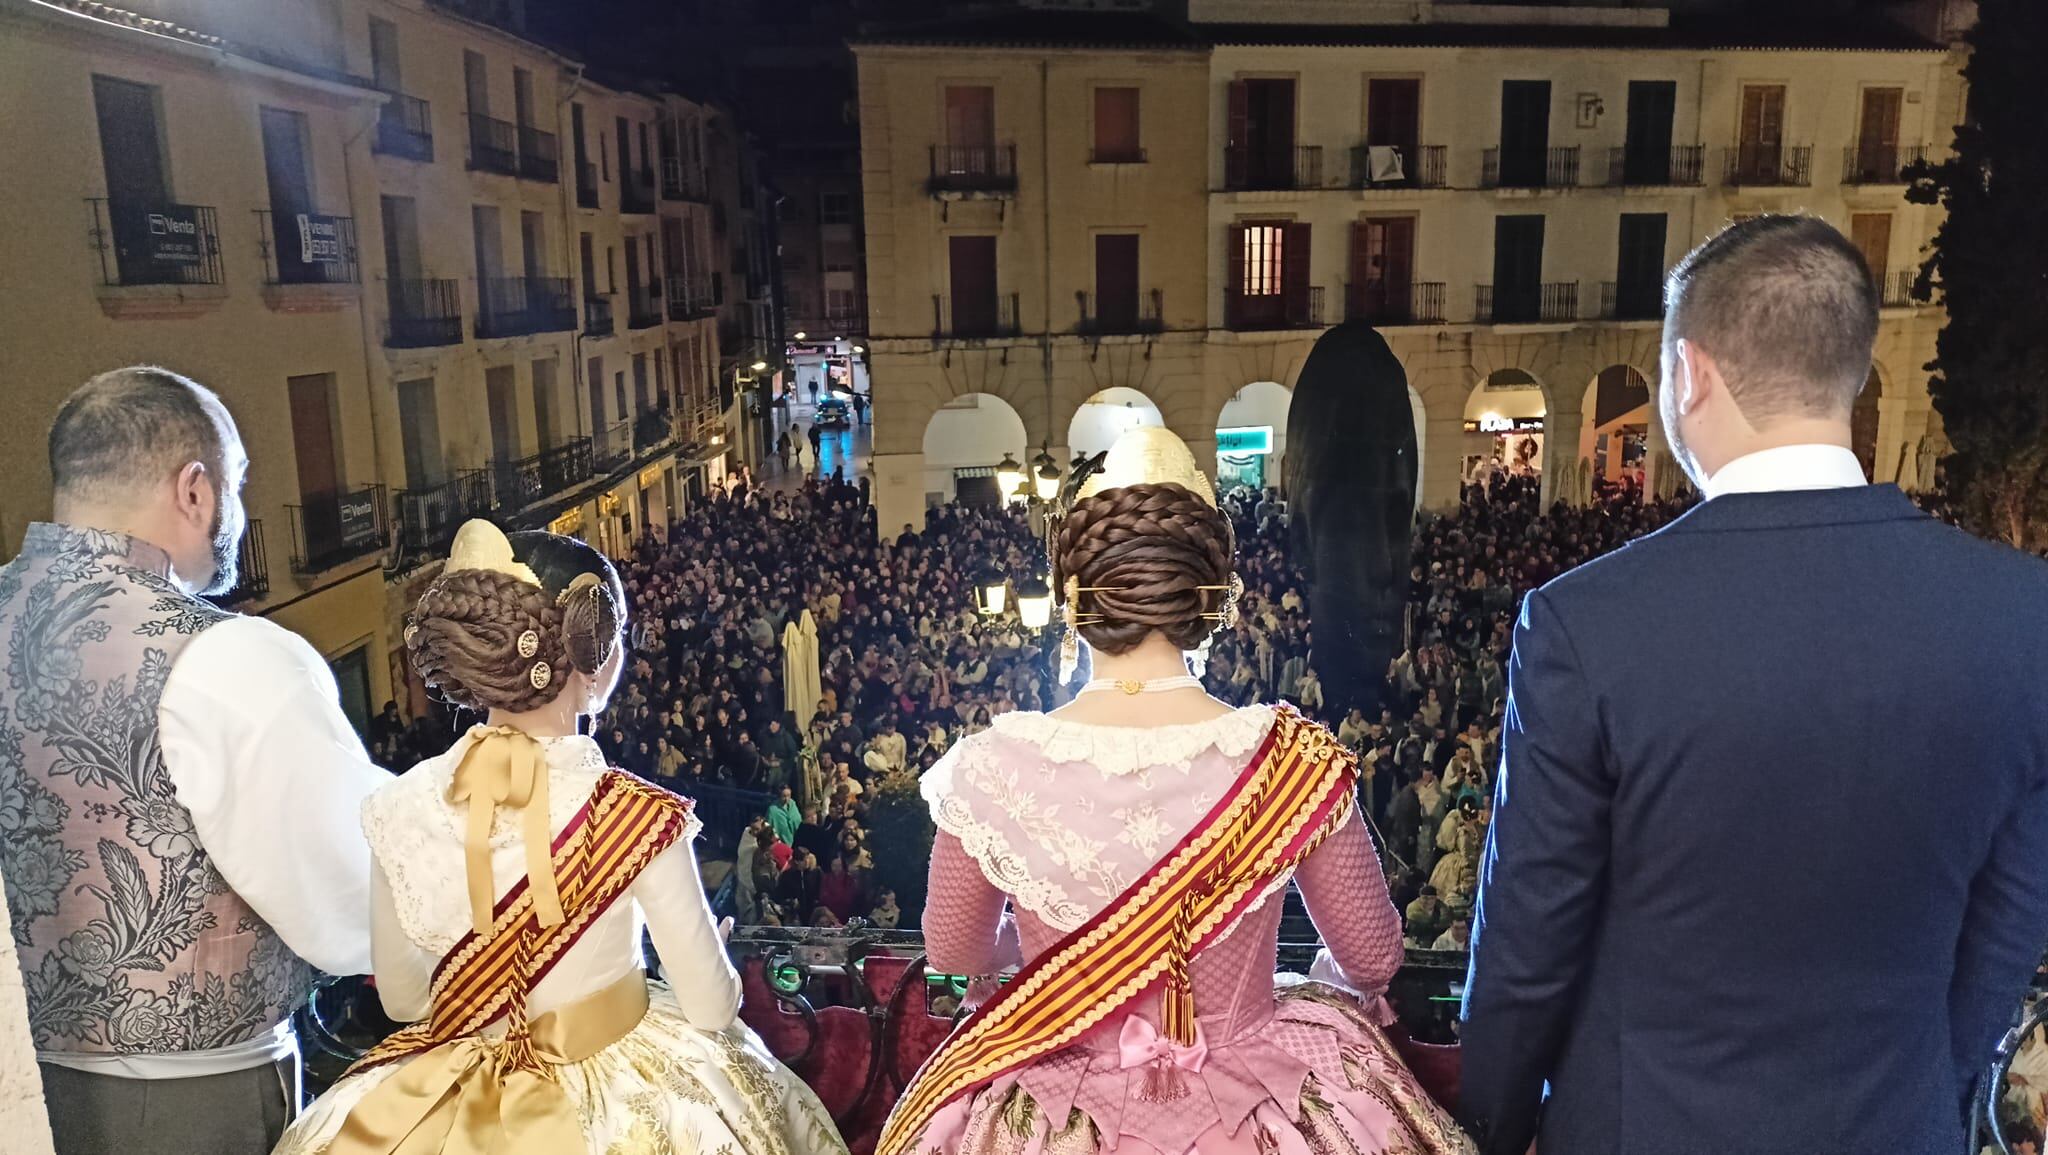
1351 488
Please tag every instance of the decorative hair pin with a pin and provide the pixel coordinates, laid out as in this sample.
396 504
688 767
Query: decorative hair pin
529 644
541 675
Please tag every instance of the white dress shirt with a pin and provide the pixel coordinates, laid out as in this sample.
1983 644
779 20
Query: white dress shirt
257 748
1788 467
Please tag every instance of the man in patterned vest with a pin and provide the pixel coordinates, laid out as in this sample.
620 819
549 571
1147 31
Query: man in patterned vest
178 790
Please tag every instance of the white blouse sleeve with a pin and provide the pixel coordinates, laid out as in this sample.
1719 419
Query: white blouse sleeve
671 893
405 973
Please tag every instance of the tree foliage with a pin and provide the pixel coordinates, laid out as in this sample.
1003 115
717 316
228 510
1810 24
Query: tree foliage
1989 268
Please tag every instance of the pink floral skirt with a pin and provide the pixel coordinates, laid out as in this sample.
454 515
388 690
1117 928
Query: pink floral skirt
1319 1078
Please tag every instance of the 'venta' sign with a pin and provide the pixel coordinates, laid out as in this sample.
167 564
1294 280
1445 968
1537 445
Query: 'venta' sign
174 235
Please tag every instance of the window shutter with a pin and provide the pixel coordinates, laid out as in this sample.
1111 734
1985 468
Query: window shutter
1294 272
1237 144
1233 276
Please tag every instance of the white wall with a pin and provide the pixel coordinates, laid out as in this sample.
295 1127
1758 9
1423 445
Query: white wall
976 429
1107 416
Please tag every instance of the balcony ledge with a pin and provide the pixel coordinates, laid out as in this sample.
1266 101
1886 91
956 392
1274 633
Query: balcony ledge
320 298
162 302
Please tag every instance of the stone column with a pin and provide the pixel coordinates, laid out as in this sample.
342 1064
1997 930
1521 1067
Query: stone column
898 493
1561 424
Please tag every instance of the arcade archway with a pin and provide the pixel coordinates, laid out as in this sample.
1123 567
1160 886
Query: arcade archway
1614 437
1251 436
1504 426
1106 416
963 443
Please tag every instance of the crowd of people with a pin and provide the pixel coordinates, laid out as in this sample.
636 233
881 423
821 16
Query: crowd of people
908 665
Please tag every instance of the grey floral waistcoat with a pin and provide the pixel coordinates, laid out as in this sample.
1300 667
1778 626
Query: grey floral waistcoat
130 941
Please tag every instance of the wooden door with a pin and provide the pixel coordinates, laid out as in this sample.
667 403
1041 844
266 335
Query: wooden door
131 145
1295 286
1877 134
1116 282
1639 274
544 402
1517 268
420 425
1524 132
1270 108
499 383
1383 269
1762 132
1871 233
384 69
476 83
1646 157
1393 115
970 129
319 463
971 265
522 97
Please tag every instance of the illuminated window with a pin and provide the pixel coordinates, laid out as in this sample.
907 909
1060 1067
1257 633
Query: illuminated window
1264 254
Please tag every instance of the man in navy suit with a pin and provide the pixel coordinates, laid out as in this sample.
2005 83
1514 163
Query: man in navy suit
1769 862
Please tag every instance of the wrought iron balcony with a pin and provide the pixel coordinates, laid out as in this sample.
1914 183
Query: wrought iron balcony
1551 303
597 316
636 190
611 448
1250 167
252 568
994 318
423 313
1769 165
689 298
540 157
307 248
493 145
1423 166
1631 302
652 430
405 128
976 168
335 528
516 306
1252 312
1415 303
155 243
1879 164
586 185
1144 313
680 183
643 305
1530 167
1896 289
1680 166
519 483
428 517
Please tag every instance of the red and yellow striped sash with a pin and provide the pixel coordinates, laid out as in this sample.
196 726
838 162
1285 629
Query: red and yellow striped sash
600 852
1297 790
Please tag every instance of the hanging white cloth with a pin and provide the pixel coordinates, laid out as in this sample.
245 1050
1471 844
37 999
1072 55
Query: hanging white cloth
1383 164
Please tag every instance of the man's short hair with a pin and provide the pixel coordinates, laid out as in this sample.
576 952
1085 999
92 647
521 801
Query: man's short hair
1788 308
129 430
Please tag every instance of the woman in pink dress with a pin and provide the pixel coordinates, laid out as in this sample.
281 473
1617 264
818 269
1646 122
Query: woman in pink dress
1131 850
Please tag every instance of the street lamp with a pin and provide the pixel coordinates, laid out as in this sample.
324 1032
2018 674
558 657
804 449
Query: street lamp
995 595
1048 481
760 365
1009 477
1034 603
800 336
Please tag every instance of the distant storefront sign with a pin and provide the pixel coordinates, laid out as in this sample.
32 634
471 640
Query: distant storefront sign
1493 424
650 477
569 524
175 237
1253 440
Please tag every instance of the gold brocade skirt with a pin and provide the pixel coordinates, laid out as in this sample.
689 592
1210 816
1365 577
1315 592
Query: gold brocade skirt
667 1088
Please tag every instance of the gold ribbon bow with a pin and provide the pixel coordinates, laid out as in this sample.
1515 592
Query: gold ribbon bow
505 767
478 1096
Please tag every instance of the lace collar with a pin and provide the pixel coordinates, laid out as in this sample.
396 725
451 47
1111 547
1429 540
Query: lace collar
1121 750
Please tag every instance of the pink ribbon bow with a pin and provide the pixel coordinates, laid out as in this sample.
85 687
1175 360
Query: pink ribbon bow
1141 1043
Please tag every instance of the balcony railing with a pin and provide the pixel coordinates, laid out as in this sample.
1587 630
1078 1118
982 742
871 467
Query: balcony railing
597 316
653 429
972 168
1249 312
405 128
331 529
611 448
307 248
1415 303
1769 165
680 183
1896 289
539 156
516 306
689 298
643 305
518 484
155 243
1144 313
586 185
1551 303
1530 168
636 190
252 568
428 517
1420 167
996 318
1877 164
493 145
1680 166
423 314
1631 302
1249 167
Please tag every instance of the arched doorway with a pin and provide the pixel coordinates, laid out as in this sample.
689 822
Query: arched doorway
1106 416
1863 423
963 443
1615 433
1504 425
1251 436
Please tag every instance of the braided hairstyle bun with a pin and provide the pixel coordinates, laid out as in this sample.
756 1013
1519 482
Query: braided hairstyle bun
1142 556
464 636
